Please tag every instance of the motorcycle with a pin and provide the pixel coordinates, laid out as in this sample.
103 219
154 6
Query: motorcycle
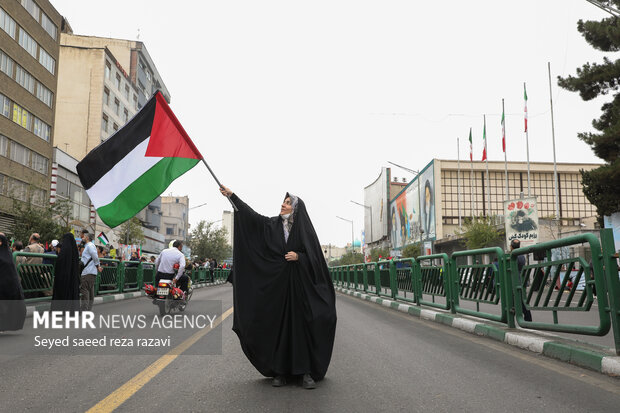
168 297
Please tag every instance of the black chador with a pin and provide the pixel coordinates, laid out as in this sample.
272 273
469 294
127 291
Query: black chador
12 306
285 313
66 295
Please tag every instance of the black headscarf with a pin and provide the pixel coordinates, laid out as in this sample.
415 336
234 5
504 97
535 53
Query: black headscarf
285 312
12 306
66 295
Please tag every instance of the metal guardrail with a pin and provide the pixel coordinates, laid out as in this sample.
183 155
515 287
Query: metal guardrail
37 278
498 291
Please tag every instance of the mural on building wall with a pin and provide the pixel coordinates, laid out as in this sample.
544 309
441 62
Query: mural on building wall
412 212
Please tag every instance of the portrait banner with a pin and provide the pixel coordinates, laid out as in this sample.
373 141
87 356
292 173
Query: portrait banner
521 219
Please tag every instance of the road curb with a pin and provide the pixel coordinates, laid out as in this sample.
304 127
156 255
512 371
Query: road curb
100 299
548 345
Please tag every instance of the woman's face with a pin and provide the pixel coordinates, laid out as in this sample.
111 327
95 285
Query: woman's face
286 207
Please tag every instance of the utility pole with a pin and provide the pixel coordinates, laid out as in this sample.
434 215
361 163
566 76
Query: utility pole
606 7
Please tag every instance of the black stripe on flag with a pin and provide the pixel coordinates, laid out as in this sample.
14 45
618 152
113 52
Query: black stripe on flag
104 157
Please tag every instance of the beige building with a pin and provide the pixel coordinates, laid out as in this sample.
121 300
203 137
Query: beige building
29 63
228 222
175 218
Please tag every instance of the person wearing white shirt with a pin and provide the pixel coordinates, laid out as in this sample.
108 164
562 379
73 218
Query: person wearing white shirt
165 265
90 259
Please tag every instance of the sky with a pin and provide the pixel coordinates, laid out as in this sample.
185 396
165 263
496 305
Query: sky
315 97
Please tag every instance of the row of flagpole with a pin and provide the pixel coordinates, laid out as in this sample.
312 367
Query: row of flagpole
485 158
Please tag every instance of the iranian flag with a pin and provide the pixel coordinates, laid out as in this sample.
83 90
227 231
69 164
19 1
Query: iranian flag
503 130
484 138
135 165
471 147
525 108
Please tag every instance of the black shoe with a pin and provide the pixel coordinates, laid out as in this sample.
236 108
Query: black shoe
308 382
278 381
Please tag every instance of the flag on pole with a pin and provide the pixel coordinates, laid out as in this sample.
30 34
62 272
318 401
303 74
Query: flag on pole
471 147
135 165
503 131
102 238
484 138
525 108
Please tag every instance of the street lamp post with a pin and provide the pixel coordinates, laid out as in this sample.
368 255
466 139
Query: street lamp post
370 208
352 239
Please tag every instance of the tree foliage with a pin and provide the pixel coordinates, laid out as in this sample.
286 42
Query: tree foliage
601 185
206 241
378 252
479 232
131 232
30 218
351 257
411 251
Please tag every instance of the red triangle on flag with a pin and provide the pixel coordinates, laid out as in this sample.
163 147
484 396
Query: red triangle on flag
168 138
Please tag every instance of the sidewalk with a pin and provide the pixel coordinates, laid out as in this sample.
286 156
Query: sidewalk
100 299
597 358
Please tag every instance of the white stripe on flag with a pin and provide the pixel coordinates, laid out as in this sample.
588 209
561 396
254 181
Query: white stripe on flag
124 173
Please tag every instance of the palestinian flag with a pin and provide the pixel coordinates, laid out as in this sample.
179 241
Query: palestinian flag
103 239
135 165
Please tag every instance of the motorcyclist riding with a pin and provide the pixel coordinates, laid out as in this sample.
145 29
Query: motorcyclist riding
165 264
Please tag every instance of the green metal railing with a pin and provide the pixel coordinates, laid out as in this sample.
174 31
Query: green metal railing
486 283
37 279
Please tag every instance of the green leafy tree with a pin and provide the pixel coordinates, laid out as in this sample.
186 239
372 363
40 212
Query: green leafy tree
30 218
131 232
411 251
377 252
206 241
601 185
351 257
479 232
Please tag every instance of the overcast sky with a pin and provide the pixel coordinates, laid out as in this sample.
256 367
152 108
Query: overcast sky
315 97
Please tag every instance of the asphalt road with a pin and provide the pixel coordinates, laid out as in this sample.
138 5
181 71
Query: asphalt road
382 361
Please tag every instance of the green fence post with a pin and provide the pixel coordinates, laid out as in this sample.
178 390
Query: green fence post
506 290
140 277
613 284
451 283
120 278
393 283
97 281
365 277
377 279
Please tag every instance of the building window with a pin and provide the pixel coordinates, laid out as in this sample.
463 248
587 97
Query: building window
38 196
44 94
107 70
20 154
32 8
169 231
125 116
7 23
4 146
115 127
5 106
104 123
22 117
17 189
6 64
106 96
47 61
27 43
39 163
117 107
118 81
127 92
135 102
24 79
41 129
49 26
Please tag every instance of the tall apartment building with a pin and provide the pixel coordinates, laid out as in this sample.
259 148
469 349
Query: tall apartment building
29 63
175 218
103 82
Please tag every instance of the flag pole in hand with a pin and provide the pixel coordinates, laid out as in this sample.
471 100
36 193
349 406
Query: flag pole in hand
219 183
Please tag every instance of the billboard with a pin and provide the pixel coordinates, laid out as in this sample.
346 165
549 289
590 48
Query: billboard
521 220
412 212
376 196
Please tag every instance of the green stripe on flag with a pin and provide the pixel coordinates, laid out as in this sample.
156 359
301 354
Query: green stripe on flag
143 190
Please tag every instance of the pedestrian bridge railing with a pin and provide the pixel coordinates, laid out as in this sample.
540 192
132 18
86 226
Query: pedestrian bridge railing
487 283
37 271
